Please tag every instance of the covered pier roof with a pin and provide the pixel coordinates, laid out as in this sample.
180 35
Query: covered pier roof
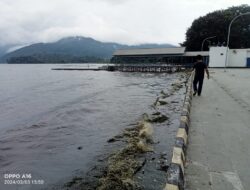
195 53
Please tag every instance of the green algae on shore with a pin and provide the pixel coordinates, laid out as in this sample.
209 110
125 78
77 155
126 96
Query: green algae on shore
125 163
123 167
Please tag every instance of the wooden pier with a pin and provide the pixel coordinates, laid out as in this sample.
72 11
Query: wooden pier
150 68
154 68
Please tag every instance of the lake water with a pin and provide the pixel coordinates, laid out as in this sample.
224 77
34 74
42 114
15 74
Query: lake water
46 115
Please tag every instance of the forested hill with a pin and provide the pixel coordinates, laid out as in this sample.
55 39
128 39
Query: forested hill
71 49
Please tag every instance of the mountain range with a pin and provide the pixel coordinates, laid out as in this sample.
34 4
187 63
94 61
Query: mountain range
70 50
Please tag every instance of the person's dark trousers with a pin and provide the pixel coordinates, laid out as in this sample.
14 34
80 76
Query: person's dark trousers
198 80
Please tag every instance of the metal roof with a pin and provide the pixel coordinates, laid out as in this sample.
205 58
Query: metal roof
195 53
149 51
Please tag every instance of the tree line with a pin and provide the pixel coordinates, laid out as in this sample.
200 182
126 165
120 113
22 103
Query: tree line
216 24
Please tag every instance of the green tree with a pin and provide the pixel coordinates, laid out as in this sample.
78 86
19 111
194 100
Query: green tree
216 24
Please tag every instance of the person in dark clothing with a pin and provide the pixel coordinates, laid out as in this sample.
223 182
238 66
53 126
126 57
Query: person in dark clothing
200 67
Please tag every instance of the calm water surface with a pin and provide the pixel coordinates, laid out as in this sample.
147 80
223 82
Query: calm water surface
46 115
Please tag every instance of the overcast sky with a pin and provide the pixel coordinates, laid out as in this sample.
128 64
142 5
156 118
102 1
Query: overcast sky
125 21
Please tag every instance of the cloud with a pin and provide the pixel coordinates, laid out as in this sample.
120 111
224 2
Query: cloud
123 21
112 2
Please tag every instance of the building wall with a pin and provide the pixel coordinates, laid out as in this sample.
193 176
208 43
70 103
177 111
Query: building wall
217 56
237 57
248 53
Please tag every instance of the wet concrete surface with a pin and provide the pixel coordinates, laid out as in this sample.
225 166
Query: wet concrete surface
218 150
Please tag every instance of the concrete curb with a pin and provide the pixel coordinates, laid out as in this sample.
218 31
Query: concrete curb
175 174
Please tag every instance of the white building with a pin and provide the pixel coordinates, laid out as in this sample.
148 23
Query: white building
236 57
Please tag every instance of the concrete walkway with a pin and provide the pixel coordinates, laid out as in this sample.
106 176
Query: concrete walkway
218 156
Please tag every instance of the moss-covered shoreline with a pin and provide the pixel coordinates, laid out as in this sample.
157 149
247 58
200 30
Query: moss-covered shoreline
118 170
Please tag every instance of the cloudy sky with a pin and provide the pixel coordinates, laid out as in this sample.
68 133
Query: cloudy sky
125 21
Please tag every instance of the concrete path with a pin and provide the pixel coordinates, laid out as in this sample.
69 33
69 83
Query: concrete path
219 140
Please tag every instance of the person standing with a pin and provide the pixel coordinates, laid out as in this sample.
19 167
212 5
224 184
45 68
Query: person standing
200 67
